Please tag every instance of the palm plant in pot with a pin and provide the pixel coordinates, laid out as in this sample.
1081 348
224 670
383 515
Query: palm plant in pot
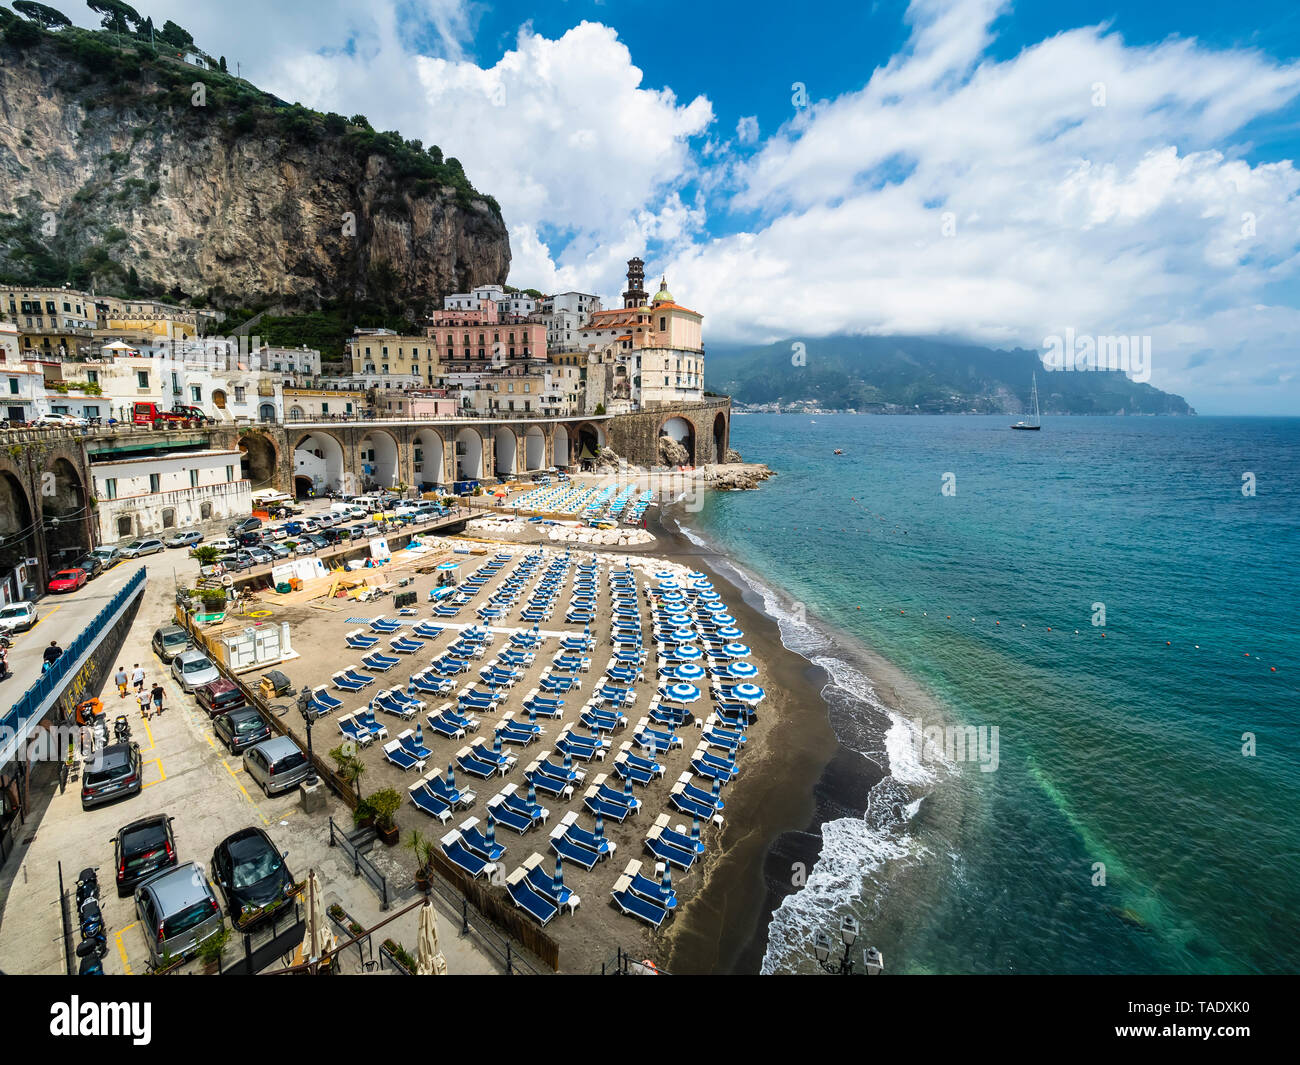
422 847
384 804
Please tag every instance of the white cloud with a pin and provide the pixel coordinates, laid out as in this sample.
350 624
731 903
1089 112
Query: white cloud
747 129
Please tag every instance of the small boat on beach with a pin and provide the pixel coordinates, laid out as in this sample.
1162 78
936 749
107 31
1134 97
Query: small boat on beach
1038 421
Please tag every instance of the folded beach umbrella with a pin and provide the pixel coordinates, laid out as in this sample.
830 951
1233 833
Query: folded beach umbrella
410 685
627 786
419 734
695 833
748 693
491 831
496 742
557 885
568 759
737 650
451 774
742 669
600 824
681 692
532 793
668 878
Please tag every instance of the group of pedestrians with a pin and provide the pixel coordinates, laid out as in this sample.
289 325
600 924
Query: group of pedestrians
153 697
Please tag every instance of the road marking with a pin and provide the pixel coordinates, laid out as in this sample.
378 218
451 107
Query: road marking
42 619
239 784
121 950
161 775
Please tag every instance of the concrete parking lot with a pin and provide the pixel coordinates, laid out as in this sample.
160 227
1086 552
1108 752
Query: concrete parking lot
188 774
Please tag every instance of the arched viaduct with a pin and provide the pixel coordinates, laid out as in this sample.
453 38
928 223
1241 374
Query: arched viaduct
45 502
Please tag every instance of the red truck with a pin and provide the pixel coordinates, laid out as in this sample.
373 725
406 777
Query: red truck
152 414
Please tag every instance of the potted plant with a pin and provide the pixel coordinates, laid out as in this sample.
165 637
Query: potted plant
399 956
349 768
210 949
422 847
213 600
385 803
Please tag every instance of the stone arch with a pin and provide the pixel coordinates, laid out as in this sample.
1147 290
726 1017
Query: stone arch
17 531
378 459
560 449
505 448
65 509
259 460
683 431
534 448
588 437
302 486
469 455
318 455
429 458
720 437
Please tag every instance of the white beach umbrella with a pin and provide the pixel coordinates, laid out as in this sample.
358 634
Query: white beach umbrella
730 633
430 961
748 693
742 669
737 650
688 652
682 692
688 671
320 937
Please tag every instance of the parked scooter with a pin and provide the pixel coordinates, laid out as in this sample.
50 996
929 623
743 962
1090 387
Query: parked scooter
91 953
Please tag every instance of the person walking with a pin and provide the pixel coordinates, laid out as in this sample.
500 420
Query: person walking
157 693
137 678
121 680
51 655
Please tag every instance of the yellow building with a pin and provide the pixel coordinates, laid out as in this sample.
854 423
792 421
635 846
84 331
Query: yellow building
53 323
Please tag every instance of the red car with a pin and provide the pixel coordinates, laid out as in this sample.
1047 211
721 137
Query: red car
67 580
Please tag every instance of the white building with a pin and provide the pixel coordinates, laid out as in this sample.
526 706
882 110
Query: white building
154 495
565 314
24 392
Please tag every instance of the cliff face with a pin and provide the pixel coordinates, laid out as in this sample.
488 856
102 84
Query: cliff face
111 164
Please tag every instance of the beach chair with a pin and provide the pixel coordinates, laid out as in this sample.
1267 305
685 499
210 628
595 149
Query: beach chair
354 731
349 680
384 625
508 817
426 630
571 851
546 783
411 747
379 662
635 905
542 880
677 839
405 645
477 841
469 724
523 895
322 702
701 795
594 802
395 753
431 685
456 798
360 640
650 890
467 760
664 851
424 799
579 835
366 719
462 857
519 803
443 727
516 737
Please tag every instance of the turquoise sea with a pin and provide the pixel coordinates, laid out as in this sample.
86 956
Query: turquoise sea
1143 812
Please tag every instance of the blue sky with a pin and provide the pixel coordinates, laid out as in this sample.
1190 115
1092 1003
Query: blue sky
1003 172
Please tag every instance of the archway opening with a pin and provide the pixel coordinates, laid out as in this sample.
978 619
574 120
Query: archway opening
377 455
469 455
534 448
219 399
428 459
681 433
257 460
302 486
560 446
504 446
719 438
17 542
319 457
67 535
591 438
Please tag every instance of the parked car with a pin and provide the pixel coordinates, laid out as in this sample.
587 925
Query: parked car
237 560
110 556
177 910
277 764
68 580
333 536
141 849
241 729
185 539
248 539
304 547
222 544
246 525
218 697
18 617
92 564
169 641
316 540
294 528
66 421
191 669
279 551
250 871
115 774
138 548
274 532
260 555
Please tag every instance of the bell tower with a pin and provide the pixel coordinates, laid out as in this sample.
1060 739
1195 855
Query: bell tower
636 295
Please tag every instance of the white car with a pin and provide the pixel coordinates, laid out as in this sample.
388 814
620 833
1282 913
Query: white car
17 617
193 670
68 421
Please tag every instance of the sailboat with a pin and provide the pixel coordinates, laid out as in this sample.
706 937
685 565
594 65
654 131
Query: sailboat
1037 417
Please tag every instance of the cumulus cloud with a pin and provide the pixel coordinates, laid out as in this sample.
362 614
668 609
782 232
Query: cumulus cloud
747 129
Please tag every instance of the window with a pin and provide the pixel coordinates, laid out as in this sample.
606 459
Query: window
142 379
110 488
324 408
169 517
205 511
196 394
239 393
194 478
155 482
230 473
13 386
92 376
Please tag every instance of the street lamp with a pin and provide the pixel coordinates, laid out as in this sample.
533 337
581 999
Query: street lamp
873 961
304 708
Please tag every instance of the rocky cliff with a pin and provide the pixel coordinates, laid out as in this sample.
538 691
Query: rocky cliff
129 170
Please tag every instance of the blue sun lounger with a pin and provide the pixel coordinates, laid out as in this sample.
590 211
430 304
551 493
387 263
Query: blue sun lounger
516 737
426 630
543 882
411 746
650 890
594 802
590 840
353 730
674 717
460 855
547 784
625 771
507 817
700 795
581 747
349 680
477 842
476 766
445 610
668 852
683 803
452 796
635 906
395 753
712 772
547 708
534 811
602 720
360 640
379 662
570 851
322 702
424 799
677 839
523 895
443 727
384 625
654 740
648 765
432 685
405 645
469 724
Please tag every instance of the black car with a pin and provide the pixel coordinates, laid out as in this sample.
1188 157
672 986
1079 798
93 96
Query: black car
114 773
92 564
333 536
248 539
240 729
141 849
250 872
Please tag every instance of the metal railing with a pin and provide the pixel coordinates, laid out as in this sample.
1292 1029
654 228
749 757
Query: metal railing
361 865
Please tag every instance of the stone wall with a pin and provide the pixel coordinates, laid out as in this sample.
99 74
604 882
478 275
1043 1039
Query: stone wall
635 437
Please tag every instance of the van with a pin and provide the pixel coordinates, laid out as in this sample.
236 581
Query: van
340 508
277 765
223 544
177 911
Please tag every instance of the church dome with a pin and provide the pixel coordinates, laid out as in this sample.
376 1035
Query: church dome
663 295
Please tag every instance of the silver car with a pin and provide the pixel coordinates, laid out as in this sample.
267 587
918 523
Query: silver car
136 548
277 764
177 910
192 669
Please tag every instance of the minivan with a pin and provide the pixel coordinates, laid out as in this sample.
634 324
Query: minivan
277 764
222 544
137 548
113 773
177 910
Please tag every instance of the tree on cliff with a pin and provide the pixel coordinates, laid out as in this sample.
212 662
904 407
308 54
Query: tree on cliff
117 17
48 18
176 36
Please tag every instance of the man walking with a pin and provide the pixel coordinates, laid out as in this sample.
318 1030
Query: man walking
51 655
157 693
120 679
137 678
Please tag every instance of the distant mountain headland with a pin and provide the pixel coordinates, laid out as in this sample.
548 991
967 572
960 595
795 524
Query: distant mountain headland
916 375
